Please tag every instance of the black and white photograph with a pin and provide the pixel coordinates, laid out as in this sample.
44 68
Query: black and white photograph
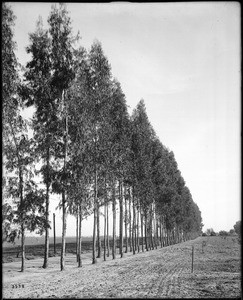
121 150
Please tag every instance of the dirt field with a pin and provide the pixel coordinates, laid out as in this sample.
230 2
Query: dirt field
165 272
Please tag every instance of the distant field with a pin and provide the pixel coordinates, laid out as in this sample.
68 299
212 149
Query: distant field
35 248
162 273
41 240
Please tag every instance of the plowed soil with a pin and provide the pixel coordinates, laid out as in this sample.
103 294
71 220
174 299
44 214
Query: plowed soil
162 273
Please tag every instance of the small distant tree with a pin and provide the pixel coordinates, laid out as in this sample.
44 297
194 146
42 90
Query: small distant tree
210 232
237 227
223 233
232 232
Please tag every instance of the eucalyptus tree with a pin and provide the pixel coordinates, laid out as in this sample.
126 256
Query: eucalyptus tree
48 76
119 145
62 60
19 187
178 207
159 180
99 94
37 92
79 165
142 137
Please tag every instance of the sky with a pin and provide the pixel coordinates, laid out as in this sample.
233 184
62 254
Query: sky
183 59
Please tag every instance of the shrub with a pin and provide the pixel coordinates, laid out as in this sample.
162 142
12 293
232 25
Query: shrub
237 227
223 233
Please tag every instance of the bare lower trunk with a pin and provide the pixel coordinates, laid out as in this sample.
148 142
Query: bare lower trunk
126 219
161 235
77 235
46 250
108 240
80 238
94 261
164 233
98 231
22 248
54 233
121 218
130 224
138 241
141 217
155 232
146 233
134 226
168 237
151 232
134 222
114 221
63 250
105 217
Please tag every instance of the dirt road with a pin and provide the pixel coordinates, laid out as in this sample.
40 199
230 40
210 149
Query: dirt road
165 272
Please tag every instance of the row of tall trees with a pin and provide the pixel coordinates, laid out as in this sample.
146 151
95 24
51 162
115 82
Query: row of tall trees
89 149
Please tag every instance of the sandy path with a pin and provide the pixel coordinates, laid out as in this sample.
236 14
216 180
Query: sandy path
165 272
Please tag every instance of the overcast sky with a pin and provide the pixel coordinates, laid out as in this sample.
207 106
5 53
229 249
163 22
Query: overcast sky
183 59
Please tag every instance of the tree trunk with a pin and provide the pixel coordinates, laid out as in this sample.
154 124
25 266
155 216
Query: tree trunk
47 242
161 235
77 235
22 248
62 261
155 230
105 218
151 231
138 241
134 221
114 219
126 221
164 232
46 250
98 231
54 233
130 223
146 232
141 217
21 185
134 225
63 250
108 239
121 217
80 238
94 261
166 237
